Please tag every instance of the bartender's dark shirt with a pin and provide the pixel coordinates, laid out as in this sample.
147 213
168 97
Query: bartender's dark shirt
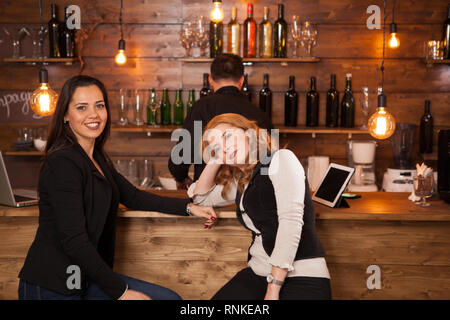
225 100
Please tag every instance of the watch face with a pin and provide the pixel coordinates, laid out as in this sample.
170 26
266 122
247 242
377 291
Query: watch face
269 278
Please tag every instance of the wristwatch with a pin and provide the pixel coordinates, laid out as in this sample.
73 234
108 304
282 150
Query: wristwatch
271 279
188 208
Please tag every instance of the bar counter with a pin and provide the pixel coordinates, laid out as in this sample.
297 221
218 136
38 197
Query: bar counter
410 244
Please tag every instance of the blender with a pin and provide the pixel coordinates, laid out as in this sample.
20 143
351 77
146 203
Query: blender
399 176
361 156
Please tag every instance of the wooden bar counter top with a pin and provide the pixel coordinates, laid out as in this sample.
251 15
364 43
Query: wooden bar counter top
410 245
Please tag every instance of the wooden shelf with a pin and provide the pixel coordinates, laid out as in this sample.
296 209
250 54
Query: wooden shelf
23 153
45 61
251 61
431 62
145 128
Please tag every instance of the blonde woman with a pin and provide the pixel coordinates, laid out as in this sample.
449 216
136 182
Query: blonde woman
286 259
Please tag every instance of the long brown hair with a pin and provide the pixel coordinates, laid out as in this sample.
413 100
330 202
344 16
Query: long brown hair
227 174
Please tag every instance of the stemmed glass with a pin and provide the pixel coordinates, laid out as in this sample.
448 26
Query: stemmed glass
16 36
154 105
296 32
201 35
187 37
422 188
365 106
308 37
38 35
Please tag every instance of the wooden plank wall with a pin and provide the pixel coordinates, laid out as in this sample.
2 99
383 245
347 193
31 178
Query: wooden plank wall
345 45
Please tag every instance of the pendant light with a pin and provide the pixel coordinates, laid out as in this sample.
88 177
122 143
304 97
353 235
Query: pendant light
382 124
43 99
216 14
121 58
394 42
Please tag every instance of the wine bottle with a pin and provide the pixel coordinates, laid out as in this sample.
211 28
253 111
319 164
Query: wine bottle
178 108
234 34
151 104
265 96
291 104
447 36
206 90
53 34
280 35
312 105
265 36
215 38
249 34
191 101
245 89
166 108
426 130
348 105
66 39
332 108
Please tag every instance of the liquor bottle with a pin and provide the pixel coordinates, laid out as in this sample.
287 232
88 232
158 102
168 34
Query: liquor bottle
426 130
265 96
234 34
53 34
178 108
280 35
245 89
291 104
265 36
348 105
249 34
447 36
332 108
206 90
165 108
191 101
151 105
66 39
216 30
312 105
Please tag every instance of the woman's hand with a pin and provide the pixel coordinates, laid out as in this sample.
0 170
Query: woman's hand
273 292
134 295
204 212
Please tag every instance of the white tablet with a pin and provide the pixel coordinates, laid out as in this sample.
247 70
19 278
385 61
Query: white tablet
333 184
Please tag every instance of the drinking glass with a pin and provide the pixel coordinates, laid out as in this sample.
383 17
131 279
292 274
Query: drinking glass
16 35
133 172
38 35
154 110
187 37
145 173
365 106
296 29
422 188
122 167
201 35
308 37
124 95
139 107
434 50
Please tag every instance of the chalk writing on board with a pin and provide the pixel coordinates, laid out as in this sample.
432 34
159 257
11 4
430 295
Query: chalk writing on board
9 101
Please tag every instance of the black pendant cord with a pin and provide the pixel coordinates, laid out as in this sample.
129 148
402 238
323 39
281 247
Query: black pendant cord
393 11
120 20
382 60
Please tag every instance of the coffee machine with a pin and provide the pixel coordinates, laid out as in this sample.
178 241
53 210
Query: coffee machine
399 176
361 156
444 165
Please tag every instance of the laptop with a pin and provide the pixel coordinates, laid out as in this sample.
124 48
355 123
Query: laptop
18 197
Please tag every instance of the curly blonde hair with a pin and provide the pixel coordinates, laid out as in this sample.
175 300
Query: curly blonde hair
227 174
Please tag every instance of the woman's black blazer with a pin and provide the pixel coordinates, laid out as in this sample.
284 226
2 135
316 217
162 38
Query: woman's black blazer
77 215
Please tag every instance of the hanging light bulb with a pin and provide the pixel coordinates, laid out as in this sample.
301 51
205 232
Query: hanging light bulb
43 99
381 124
216 15
121 58
394 42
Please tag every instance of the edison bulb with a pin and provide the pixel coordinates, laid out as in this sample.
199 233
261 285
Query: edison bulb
381 124
216 15
394 42
121 58
43 100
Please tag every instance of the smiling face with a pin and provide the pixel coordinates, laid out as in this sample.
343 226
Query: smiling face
230 143
87 114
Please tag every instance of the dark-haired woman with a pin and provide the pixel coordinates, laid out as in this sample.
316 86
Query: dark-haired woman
79 189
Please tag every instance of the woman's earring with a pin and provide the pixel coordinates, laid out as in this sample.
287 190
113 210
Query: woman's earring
65 121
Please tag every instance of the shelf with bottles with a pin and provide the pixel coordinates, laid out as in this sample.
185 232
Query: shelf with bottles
251 61
432 62
43 61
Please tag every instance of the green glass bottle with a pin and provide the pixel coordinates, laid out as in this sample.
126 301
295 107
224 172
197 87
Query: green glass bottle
191 101
178 108
165 108
151 107
348 105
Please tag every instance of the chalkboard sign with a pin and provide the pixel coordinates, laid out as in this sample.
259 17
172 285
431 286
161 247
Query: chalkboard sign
15 107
